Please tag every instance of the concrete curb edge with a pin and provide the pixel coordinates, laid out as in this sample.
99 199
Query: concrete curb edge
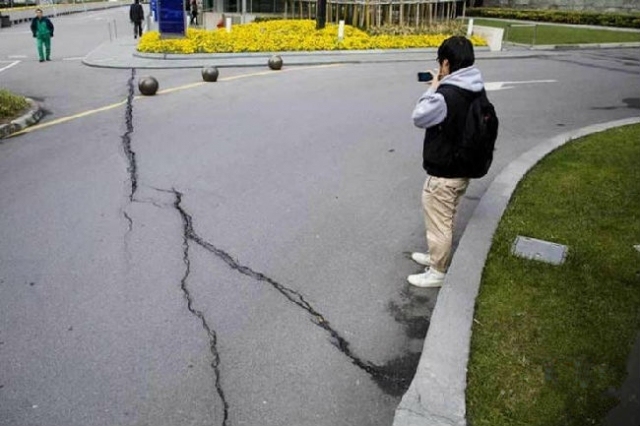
30 118
436 396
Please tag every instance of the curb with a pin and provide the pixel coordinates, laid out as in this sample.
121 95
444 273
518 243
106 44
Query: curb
30 118
436 396
293 53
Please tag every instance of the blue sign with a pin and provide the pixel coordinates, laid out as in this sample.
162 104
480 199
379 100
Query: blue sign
154 10
171 14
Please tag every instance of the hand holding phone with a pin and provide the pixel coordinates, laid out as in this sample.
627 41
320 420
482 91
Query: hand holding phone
425 76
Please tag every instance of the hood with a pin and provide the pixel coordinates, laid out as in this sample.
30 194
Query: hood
466 78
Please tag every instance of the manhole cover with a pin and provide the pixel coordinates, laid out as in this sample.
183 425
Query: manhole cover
544 251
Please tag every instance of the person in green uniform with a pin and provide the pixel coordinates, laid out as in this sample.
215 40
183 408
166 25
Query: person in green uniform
42 30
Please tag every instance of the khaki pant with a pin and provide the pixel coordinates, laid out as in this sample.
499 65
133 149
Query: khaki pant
440 199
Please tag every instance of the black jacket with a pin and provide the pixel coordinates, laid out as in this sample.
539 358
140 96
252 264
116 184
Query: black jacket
443 114
136 13
441 141
34 25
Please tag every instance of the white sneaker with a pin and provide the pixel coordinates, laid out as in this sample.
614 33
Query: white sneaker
423 259
431 278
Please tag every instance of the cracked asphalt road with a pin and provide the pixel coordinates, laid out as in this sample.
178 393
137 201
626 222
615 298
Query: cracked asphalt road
391 379
140 287
233 253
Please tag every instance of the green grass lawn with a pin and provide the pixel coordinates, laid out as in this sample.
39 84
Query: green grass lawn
557 34
550 343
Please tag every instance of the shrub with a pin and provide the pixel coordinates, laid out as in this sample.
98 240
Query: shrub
457 27
11 105
623 20
285 35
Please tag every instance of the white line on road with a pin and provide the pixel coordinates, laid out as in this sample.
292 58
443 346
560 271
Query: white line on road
17 56
15 33
530 81
501 85
14 63
74 58
161 92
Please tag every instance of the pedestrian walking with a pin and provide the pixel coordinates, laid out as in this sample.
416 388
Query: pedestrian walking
442 110
194 12
42 29
136 15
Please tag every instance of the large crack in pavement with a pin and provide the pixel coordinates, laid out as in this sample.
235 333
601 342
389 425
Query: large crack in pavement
132 167
213 337
385 376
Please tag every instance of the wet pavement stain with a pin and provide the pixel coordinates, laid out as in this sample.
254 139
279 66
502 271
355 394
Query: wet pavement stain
413 312
631 103
402 369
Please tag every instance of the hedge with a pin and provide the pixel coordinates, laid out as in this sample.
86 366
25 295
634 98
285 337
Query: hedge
623 20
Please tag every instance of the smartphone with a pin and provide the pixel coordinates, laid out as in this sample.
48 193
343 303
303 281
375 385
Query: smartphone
425 76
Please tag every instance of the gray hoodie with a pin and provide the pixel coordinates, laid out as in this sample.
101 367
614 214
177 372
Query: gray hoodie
431 108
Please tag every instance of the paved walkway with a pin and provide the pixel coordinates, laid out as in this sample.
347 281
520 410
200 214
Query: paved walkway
121 53
436 396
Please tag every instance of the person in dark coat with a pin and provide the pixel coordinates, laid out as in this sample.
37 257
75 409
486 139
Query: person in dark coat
194 12
442 111
136 15
42 30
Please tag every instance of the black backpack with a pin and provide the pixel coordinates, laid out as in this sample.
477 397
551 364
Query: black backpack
474 153
479 136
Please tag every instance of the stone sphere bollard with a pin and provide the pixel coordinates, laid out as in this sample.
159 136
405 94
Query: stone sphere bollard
210 73
275 62
148 86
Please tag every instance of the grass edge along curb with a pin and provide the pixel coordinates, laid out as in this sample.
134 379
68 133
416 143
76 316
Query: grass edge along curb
566 382
540 33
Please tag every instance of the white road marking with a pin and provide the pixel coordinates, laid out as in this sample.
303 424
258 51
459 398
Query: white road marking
14 63
15 33
17 56
73 58
503 85
161 92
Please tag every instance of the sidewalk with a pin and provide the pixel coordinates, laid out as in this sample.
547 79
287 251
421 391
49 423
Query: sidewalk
121 53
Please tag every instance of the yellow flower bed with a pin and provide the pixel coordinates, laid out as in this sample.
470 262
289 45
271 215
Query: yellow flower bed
284 35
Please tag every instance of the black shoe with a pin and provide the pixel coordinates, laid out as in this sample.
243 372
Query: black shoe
41 60
48 59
